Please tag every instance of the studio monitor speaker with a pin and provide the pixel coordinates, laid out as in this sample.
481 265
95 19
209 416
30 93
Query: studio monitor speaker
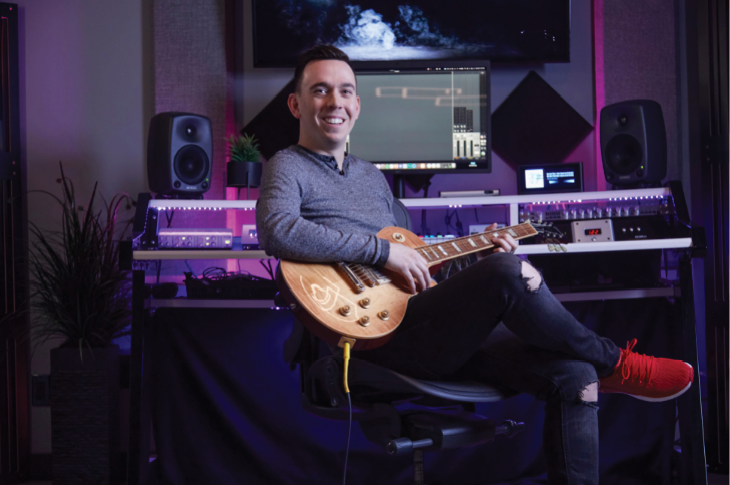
179 154
633 143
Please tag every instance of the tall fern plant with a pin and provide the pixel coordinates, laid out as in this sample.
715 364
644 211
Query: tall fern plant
78 290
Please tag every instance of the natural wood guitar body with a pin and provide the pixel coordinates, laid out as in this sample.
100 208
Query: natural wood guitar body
328 300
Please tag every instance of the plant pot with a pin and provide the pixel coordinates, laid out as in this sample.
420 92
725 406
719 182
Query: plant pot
85 436
243 174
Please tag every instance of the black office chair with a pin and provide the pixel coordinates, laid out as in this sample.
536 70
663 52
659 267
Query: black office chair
444 419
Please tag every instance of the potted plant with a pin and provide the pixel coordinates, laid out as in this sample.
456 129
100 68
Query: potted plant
244 165
79 294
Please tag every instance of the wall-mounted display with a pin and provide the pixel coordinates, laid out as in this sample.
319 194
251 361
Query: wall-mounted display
411 32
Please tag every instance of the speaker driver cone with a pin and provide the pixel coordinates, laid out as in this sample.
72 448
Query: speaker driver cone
623 154
191 164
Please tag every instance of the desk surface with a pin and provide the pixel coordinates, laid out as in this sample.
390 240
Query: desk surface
571 248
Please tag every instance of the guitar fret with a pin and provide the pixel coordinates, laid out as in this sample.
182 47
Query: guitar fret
469 244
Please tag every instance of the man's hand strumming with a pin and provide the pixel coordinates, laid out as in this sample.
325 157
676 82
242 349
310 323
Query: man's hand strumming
407 262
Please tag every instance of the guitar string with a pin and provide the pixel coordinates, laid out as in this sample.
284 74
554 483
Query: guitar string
520 231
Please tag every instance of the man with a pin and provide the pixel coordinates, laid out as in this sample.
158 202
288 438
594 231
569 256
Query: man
320 204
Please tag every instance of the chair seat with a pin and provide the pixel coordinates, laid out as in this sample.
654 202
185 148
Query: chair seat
372 383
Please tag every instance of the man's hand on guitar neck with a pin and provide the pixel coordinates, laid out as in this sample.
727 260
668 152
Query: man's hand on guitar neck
411 265
503 243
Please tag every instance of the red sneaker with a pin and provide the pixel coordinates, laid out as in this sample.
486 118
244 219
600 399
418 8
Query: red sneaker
648 378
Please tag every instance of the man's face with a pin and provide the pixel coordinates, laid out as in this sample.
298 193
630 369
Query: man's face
326 105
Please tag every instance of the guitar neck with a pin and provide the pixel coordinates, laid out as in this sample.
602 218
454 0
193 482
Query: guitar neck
454 248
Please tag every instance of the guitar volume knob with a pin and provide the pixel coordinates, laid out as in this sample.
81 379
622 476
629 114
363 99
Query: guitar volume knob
384 315
364 321
345 310
365 303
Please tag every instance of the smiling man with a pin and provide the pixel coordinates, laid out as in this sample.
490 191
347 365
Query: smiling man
326 104
321 204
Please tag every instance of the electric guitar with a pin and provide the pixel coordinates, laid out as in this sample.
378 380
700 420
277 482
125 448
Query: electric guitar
363 304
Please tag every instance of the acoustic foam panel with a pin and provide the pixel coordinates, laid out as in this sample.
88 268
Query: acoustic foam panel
536 125
274 127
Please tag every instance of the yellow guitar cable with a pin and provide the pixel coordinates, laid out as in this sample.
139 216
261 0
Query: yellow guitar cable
346 358
347 362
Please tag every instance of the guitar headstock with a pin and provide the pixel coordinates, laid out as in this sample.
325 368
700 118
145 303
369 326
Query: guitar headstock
550 235
548 230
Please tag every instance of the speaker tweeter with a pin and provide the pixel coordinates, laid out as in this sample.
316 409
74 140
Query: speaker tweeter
179 154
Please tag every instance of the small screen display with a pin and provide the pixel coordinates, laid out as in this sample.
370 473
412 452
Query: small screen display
550 178
534 179
592 232
560 178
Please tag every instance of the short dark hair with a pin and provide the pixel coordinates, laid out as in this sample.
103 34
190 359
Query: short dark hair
317 53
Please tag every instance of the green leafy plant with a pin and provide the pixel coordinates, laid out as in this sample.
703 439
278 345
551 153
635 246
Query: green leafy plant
243 148
78 290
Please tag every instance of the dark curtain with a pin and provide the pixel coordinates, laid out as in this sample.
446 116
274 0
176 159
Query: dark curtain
226 410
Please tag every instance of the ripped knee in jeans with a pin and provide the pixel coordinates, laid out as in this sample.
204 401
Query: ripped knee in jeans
531 277
589 394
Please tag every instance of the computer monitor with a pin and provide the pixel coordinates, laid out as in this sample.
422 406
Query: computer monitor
433 120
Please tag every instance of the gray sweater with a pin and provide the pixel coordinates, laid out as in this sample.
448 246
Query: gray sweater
310 211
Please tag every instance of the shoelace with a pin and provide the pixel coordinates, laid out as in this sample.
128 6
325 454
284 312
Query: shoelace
637 365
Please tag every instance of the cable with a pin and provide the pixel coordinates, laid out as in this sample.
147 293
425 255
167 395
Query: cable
349 402
347 365
268 268
169 219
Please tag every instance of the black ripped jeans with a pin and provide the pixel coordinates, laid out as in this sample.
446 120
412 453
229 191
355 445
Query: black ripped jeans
453 329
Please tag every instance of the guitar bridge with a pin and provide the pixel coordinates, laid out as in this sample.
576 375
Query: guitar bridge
361 275
352 276
368 275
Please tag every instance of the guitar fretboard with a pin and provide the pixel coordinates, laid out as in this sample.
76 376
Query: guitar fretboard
436 253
